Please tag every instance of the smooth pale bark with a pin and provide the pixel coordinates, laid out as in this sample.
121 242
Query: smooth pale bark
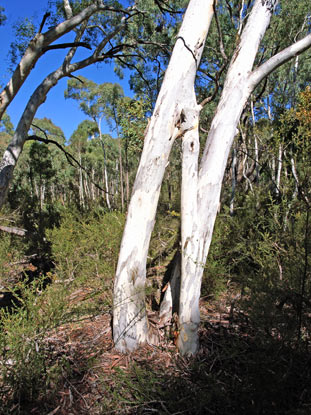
239 84
121 175
279 170
255 143
81 191
190 289
130 326
204 185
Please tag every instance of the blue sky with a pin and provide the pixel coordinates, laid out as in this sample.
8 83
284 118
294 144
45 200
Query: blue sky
64 113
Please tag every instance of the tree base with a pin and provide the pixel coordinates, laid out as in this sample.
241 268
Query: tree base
188 339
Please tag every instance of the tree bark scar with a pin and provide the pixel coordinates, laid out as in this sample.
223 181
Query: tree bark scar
186 243
270 4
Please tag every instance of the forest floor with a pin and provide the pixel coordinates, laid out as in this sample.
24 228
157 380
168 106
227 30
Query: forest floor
237 371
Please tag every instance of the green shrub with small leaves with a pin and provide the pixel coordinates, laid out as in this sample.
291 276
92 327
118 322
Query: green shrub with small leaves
25 355
85 250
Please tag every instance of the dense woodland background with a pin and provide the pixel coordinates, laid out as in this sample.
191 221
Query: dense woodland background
63 221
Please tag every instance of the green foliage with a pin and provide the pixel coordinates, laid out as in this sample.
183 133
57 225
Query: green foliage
6 124
24 351
216 273
24 32
10 252
132 116
269 264
96 101
153 34
87 249
2 16
85 252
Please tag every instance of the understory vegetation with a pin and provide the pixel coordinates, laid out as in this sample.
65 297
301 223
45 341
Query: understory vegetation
55 341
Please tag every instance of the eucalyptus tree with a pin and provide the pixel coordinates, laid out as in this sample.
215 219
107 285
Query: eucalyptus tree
37 177
176 114
6 129
78 146
169 121
104 27
131 115
99 103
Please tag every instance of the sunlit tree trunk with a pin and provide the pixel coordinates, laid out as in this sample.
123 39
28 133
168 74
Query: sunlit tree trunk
239 84
176 113
203 185
169 120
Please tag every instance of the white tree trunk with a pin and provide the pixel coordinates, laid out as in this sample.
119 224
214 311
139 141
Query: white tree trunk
176 112
190 289
279 170
203 185
239 84
130 325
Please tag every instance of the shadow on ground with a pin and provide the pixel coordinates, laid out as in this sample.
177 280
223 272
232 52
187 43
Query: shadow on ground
235 373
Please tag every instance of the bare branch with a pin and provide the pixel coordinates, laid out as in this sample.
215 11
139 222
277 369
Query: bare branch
67 45
75 77
159 45
129 65
47 14
221 43
230 11
217 85
78 37
167 8
302 27
15 231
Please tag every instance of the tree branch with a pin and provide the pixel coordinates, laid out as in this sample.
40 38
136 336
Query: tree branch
75 77
47 14
167 9
277 60
15 231
66 45
67 9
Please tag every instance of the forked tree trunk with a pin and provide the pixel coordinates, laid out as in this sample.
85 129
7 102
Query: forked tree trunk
176 112
204 186
130 326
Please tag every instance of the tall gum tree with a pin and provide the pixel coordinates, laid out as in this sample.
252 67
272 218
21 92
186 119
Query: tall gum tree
106 27
201 185
169 120
103 50
41 44
177 114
